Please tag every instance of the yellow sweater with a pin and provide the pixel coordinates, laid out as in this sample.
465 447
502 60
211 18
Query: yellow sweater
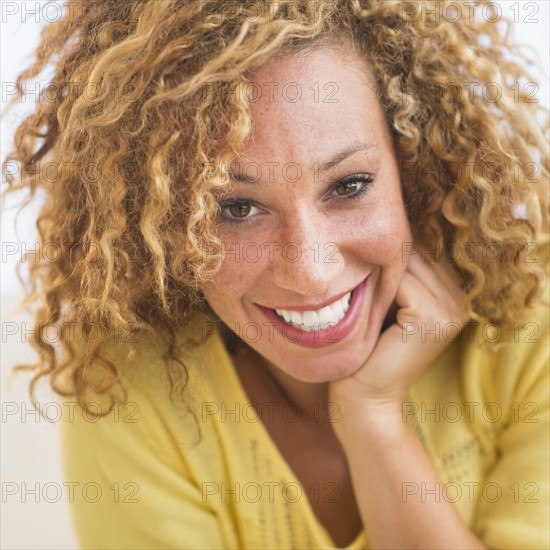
141 481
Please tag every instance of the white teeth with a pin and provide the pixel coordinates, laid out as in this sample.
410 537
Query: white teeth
326 315
339 309
286 316
318 319
295 317
310 318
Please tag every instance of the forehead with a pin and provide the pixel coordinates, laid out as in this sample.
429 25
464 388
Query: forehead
305 104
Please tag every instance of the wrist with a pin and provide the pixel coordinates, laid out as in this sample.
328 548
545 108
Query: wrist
375 419
379 407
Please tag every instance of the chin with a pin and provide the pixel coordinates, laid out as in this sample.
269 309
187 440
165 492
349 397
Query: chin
323 374
326 367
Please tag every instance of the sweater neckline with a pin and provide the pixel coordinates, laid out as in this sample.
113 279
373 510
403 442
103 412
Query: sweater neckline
262 433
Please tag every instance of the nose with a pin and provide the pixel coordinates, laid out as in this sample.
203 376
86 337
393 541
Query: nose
308 260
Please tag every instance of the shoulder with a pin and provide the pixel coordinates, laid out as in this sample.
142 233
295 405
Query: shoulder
164 376
519 359
488 389
158 410
150 447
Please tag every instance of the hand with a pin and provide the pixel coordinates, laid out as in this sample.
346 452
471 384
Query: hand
370 425
429 296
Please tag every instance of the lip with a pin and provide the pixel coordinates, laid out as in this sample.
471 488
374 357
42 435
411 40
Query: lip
320 338
312 307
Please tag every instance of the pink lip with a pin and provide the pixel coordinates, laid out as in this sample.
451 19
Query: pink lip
312 306
319 338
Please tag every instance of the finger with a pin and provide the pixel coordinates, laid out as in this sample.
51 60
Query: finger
414 294
429 277
448 274
441 278
419 305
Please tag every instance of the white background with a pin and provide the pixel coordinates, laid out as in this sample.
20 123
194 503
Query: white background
29 446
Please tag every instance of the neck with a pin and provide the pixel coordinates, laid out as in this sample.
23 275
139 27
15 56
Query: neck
309 397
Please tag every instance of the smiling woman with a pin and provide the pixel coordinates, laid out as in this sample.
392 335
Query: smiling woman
355 205
300 277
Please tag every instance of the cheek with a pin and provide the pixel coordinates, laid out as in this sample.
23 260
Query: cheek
379 236
240 268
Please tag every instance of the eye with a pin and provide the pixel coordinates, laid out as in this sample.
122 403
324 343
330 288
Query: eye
353 187
237 211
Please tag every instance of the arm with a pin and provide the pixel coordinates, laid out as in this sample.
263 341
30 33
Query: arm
137 457
139 493
383 452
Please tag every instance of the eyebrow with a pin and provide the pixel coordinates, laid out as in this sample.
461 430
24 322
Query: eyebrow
334 161
344 154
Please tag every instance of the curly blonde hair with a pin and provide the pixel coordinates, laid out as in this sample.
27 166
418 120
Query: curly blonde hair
141 108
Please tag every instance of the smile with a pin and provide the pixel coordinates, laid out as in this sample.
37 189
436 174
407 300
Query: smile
318 319
324 326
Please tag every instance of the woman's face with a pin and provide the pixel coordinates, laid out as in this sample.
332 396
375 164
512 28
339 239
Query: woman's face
315 211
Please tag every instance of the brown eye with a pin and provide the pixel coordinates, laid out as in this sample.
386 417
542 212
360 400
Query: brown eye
353 187
347 188
239 210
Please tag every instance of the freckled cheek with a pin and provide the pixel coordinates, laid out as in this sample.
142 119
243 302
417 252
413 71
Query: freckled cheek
379 238
240 268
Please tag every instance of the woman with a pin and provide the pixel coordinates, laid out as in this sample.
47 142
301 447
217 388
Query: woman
298 259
